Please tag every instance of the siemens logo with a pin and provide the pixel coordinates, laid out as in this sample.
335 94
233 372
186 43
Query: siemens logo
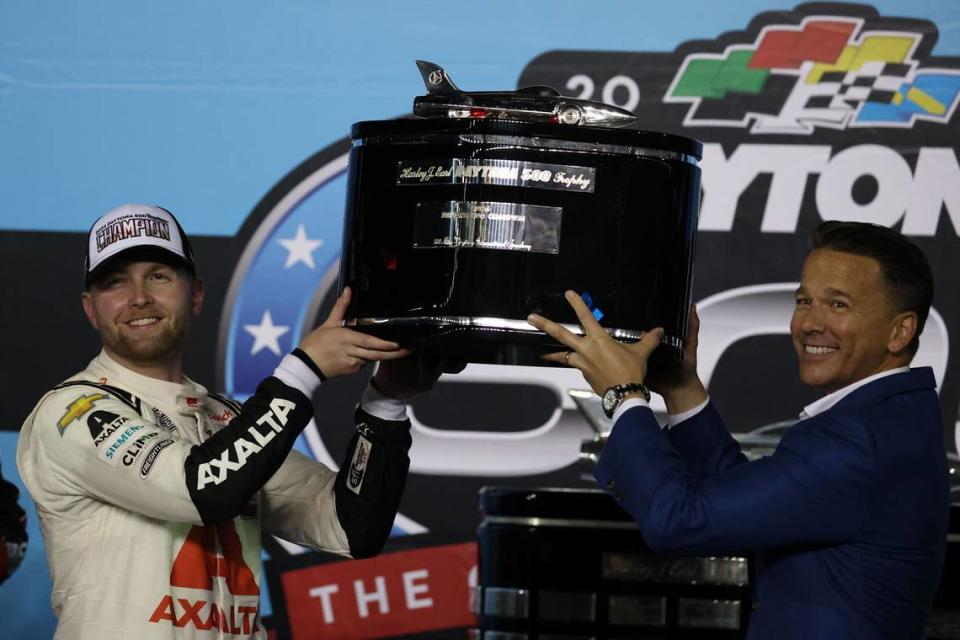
122 440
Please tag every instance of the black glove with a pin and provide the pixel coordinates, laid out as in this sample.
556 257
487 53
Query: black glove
13 530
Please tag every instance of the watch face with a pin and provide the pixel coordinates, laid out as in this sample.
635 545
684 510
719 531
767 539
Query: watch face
609 401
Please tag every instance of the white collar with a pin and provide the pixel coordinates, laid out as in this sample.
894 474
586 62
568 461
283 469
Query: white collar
826 402
187 396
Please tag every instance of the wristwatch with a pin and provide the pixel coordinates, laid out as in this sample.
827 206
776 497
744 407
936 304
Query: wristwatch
613 396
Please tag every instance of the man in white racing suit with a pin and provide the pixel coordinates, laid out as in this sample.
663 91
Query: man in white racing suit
153 493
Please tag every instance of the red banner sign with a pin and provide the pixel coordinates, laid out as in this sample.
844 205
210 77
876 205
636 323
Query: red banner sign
392 594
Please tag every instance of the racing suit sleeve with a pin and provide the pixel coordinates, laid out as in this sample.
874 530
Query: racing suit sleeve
350 512
370 482
83 440
297 504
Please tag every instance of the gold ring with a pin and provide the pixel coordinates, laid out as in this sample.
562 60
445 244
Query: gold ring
566 358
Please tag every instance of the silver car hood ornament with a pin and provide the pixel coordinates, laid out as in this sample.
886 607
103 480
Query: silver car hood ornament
527 104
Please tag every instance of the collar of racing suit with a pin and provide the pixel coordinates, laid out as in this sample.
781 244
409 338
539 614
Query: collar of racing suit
187 398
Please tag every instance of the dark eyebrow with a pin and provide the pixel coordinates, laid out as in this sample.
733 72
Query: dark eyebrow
838 292
157 267
110 273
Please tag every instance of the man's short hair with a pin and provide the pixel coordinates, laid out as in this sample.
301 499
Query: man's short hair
904 267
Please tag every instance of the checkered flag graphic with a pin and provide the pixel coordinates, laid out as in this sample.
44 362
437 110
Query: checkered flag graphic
876 82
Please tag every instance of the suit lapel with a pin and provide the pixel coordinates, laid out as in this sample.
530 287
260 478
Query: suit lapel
913 380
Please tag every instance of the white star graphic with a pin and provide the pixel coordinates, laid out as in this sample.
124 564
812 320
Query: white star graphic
300 248
266 334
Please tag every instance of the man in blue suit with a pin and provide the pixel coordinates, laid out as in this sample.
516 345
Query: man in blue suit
848 518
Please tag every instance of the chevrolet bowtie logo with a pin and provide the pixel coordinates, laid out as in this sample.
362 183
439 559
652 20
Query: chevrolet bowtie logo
77 408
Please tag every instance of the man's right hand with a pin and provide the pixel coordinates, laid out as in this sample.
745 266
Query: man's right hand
681 387
340 351
405 378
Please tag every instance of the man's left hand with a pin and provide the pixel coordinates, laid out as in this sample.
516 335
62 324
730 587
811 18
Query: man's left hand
603 361
414 374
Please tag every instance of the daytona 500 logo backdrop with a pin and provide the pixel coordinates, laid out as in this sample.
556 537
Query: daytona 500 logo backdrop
825 112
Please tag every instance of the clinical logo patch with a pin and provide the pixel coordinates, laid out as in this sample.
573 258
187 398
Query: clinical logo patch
132 452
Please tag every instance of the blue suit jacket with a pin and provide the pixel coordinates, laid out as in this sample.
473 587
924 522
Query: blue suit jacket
848 518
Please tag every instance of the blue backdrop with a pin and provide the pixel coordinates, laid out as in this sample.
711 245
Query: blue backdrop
203 106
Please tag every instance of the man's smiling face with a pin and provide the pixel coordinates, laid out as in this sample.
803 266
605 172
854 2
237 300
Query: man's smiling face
142 310
844 322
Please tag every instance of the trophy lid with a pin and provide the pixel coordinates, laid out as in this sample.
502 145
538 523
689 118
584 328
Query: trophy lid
534 116
526 134
527 104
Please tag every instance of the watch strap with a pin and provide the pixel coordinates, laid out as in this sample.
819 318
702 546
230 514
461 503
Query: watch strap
621 390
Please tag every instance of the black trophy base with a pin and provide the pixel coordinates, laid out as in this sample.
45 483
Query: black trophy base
486 345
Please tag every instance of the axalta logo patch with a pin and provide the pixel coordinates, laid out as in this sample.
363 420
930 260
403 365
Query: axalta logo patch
102 425
243 448
829 71
209 554
204 616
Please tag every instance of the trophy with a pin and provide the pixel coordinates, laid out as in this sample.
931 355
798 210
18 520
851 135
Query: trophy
486 206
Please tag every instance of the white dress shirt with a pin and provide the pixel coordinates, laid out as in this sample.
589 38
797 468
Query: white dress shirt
812 409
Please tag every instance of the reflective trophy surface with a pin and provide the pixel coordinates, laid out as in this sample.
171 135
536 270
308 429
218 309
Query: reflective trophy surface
462 222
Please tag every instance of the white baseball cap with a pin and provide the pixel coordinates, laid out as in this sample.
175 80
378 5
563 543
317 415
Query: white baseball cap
152 231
